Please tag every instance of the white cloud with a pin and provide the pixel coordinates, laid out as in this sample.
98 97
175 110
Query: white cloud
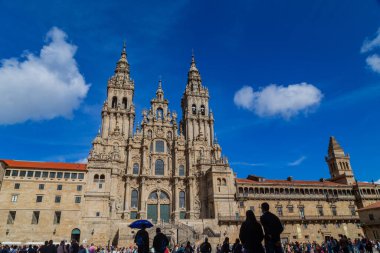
297 162
83 160
247 164
369 45
277 100
44 86
373 62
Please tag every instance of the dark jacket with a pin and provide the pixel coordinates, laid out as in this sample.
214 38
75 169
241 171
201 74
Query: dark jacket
272 227
225 248
142 241
160 242
251 235
205 247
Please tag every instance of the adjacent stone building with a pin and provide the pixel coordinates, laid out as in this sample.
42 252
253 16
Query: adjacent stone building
172 172
370 220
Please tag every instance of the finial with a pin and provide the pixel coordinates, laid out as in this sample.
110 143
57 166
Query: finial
160 84
192 56
124 45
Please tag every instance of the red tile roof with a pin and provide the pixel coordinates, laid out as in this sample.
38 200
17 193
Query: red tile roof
286 182
44 165
375 205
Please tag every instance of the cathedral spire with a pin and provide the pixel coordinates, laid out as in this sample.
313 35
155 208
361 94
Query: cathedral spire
193 77
122 65
160 91
335 150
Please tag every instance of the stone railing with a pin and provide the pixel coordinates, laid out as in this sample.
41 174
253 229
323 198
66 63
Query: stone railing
319 218
242 196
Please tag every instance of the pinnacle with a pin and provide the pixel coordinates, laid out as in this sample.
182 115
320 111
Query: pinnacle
334 147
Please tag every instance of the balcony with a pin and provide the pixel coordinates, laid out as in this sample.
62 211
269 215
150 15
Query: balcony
282 196
226 219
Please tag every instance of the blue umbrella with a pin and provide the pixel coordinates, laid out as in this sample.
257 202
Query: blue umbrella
141 224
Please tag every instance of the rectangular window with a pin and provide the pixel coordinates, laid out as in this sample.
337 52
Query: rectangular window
79 188
7 173
352 210
52 175
77 199
320 210
337 225
334 211
59 174
371 216
301 211
74 175
57 217
305 225
160 146
35 217
133 215
241 203
182 215
100 186
290 209
59 187
81 176
30 173
67 175
45 174
37 174
279 211
41 186
57 199
39 198
22 173
14 198
97 214
14 173
11 217
17 185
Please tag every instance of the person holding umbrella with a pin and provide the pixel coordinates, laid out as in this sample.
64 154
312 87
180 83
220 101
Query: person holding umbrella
142 236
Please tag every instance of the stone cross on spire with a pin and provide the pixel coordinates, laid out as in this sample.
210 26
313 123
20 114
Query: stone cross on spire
122 65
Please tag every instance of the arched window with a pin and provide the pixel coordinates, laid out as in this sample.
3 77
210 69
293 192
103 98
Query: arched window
203 110
114 102
170 135
102 178
159 167
163 195
160 146
150 134
160 114
182 199
125 103
134 198
224 182
181 171
96 178
153 195
218 182
194 109
135 169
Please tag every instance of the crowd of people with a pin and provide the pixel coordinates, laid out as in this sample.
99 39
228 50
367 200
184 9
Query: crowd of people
254 237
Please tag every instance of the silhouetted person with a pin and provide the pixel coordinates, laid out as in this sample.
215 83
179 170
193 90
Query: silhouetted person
142 241
160 242
51 247
237 247
251 234
74 246
205 246
272 228
226 246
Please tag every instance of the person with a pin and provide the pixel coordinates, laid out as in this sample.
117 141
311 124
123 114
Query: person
74 247
31 249
226 246
142 240
237 248
51 247
272 228
188 248
61 248
205 246
160 242
92 248
43 248
251 234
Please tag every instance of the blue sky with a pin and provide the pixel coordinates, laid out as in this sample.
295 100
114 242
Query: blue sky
308 70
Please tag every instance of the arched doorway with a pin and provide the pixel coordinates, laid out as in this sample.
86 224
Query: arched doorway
75 234
158 206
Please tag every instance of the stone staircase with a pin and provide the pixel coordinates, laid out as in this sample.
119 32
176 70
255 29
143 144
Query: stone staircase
178 233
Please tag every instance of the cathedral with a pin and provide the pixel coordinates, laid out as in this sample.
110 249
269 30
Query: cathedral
170 171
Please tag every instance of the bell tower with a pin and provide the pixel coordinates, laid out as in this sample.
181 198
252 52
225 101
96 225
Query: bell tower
339 163
197 118
118 113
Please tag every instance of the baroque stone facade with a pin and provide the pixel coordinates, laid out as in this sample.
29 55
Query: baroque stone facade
174 174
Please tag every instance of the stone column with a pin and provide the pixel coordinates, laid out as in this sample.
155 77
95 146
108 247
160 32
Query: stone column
142 199
190 189
131 119
105 126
